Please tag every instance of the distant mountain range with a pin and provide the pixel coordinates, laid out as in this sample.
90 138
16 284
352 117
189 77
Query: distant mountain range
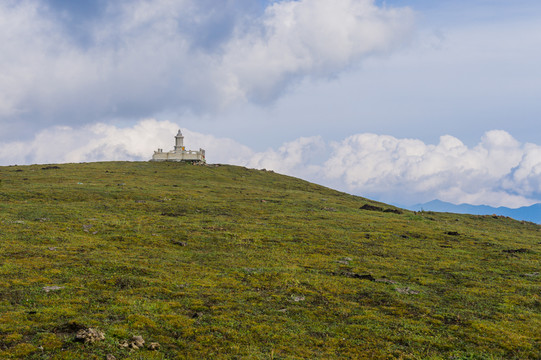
528 213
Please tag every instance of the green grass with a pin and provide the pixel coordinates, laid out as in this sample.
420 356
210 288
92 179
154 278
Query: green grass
223 262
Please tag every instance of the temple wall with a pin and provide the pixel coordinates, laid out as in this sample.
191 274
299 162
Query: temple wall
178 156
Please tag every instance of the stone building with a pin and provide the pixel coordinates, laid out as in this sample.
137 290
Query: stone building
179 153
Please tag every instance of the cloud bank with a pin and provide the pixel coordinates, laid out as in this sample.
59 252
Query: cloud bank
137 58
498 171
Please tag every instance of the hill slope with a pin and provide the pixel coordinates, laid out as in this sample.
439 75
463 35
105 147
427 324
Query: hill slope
226 262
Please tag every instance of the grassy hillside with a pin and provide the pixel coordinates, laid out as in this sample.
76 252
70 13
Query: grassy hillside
222 262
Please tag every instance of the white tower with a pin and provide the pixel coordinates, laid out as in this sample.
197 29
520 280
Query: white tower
179 142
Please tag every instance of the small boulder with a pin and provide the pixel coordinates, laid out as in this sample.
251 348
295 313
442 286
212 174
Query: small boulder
358 276
407 291
135 343
153 346
515 251
89 335
52 288
386 281
138 341
371 207
393 211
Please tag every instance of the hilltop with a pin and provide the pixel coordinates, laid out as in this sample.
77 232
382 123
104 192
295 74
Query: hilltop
220 262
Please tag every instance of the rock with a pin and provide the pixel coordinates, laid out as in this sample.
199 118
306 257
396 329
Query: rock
407 290
135 343
358 276
344 261
89 335
386 281
394 211
371 207
52 288
153 346
452 233
297 298
513 251
138 341
532 274
110 357
179 243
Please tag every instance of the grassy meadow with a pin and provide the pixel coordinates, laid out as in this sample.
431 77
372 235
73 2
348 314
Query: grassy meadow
224 262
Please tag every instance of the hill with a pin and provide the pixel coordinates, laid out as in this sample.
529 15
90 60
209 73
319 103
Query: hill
527 213
223 262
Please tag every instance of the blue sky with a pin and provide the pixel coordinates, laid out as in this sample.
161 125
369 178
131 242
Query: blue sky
359 95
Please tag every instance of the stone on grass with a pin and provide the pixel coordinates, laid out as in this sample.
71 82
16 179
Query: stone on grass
89 335
358 276
52 288
387 281
138 341
135 343
407 291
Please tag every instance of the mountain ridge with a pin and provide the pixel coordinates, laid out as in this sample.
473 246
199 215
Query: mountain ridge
530 213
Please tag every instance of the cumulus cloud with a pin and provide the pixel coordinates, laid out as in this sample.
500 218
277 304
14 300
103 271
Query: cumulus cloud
143 57
410 170
301 157
104 142
309 37
498 171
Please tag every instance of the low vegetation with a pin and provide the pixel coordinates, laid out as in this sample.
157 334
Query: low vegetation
223 262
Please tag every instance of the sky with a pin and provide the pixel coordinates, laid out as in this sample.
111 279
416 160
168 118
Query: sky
402 101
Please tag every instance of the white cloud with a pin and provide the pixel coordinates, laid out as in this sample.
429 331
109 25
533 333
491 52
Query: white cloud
310 37
103 142
499 171
412 171
301 157
525 178
144 57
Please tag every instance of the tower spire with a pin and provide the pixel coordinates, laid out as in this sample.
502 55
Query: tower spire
179 142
